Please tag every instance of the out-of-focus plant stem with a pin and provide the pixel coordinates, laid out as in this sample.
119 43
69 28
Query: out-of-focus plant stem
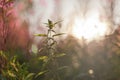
4 28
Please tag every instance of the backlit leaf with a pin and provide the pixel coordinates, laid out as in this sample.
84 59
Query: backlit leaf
40 73
58 34
41 35
50 24
11 74
43 57
29 76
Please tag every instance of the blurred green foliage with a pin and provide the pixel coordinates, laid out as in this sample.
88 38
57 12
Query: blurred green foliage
13 70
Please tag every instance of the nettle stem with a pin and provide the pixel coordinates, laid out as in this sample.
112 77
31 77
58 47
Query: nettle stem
52 64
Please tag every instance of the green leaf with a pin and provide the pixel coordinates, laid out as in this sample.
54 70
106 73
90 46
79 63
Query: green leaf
14 66
3 54
50 24
11 74
43 58
13 59
58 34
49 21
29 76
41 73
41 35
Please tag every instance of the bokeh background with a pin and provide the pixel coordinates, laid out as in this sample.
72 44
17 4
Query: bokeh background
91 42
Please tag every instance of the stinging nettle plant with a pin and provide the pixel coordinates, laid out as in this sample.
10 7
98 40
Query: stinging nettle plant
50 47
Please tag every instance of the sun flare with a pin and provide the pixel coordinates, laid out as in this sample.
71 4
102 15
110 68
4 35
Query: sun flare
89 28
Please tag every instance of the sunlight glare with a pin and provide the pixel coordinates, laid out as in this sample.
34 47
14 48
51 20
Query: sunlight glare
89 28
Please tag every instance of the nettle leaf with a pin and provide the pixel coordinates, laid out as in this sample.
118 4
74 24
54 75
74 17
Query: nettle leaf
58 34
41 35
50 24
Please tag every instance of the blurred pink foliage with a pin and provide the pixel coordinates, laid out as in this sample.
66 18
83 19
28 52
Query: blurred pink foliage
13 33
6 3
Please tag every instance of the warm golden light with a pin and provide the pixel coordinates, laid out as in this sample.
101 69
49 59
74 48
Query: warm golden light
89 28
